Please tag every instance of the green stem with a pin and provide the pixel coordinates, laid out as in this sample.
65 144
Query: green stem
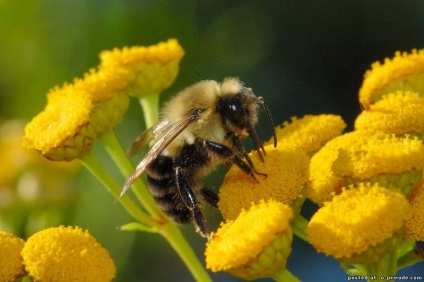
93 165
299 226
373 271
137 226
150 104
112 145
389 262
175 238
286 276
386 267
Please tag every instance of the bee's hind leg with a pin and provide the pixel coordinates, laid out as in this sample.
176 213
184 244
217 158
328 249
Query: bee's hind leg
192 204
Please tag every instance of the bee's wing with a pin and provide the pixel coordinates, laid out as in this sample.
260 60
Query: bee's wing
166 138
148 135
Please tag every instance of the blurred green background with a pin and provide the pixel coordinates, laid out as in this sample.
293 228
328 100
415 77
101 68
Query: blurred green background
303 57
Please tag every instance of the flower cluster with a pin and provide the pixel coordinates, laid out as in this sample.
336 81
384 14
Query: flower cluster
79 113
367 184
55 254
76 114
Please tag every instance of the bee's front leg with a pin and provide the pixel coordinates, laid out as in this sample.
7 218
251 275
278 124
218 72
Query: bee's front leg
227 154
239 146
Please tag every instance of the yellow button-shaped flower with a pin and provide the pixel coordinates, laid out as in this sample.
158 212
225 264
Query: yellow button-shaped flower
365 156
286 170
107 90
403 72
62 130
310 132
67 254
76 114
380 154
398 113
256 244
102 84
394 162
357 226
152 69
323 183
11 266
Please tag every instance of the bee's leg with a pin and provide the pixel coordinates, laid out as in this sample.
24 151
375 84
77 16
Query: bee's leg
210 197
239 146
227 154
190 201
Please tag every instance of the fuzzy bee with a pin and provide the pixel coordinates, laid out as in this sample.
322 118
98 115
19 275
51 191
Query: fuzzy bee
200 128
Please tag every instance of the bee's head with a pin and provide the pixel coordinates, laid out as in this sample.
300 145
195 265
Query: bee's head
237 108
238 112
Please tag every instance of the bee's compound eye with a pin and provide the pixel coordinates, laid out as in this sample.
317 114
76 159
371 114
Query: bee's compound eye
231 109
235 107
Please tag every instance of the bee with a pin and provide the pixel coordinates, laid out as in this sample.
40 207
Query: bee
199 129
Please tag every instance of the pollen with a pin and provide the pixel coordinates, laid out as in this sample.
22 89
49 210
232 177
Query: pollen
103 83
286 174
310 132
67 254
323 183
380 154
364 156
398 113
403 72
358 220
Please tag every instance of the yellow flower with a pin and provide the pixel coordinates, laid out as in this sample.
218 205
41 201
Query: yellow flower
323 184
62 131
152 69
310 132
396 113
364 156
67 254
11 266
358 225
287 172
102 84
384 159
77 114
403 72
414 228
256 244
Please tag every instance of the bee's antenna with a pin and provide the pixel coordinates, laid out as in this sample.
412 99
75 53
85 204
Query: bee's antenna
270 121
196 71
